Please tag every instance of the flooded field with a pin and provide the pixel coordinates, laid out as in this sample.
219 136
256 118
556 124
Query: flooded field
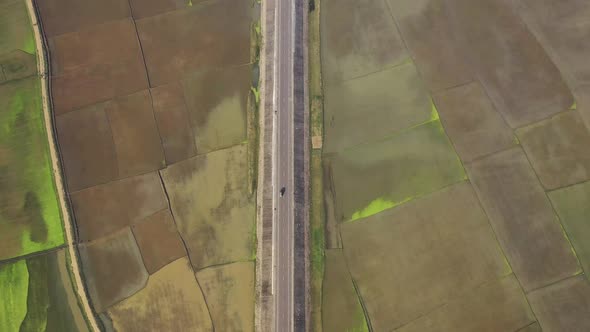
153 106
455 165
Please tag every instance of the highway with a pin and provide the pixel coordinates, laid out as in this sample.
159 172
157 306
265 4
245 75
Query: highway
283 133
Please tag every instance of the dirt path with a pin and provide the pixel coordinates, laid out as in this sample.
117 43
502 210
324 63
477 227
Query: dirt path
68 226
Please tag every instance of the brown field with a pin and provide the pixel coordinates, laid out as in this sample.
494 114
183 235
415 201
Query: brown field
217 102
87 147
472 123
529 87
170 301
393 256
358 38
386 102
193 39
137 141
428 33
563 306
560 26
79 14
571 204
558 149
523 219
84 72
342 307
120 123
105 209
173 121
501 75
229 290
145 8
158 240
212 207
113 269
499 305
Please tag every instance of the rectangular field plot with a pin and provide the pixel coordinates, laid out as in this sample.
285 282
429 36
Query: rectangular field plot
426 28
373 177
62 16
393 256
212 207
358 38
341 307
37 295
564 306
87 147
170 301
105 209
147 8
217 105
523 219
15 27
173 121
515 70
499 305
558 149
562 27
113 269
85 72
229 293
372 107
210 35
473 125
573 207
30 219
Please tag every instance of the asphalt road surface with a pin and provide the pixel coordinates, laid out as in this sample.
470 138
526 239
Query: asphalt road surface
283 207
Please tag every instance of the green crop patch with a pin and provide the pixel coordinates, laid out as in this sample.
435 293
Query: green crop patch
14 280
30 219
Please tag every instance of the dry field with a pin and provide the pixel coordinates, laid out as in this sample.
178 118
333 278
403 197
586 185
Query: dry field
455 165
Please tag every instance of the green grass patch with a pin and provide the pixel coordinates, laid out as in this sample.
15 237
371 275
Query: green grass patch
14 281
27 171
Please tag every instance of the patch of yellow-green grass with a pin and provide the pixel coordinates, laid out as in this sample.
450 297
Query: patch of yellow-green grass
376 206
14 283
31 213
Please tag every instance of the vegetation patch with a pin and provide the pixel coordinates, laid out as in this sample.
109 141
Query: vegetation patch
30 218
14 282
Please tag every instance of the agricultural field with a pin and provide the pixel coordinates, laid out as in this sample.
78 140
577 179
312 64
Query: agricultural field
154 103
35 277
450 169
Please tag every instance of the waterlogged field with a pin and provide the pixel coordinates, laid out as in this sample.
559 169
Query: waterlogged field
157 133
455 166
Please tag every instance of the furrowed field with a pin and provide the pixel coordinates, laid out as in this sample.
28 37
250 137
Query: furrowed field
453 138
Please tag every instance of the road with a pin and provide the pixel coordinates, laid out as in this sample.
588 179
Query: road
283 207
